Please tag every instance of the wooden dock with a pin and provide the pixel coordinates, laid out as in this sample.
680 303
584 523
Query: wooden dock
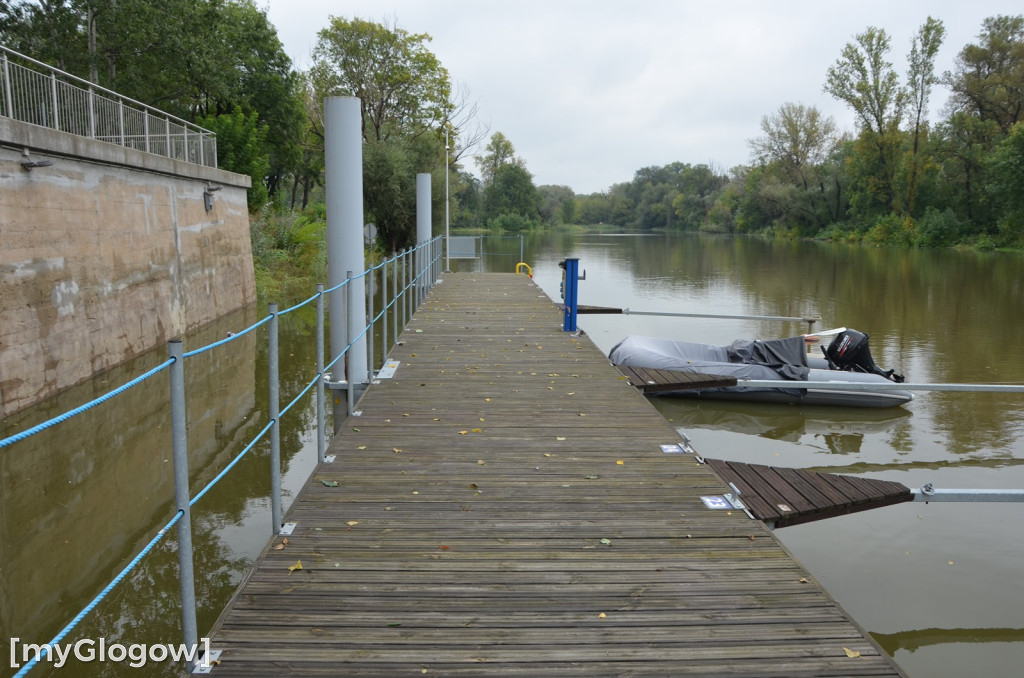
787 496
503 506
652 381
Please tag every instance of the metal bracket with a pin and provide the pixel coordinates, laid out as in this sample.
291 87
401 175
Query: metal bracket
206 664
287 528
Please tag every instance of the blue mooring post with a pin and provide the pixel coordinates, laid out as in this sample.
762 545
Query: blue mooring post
570 290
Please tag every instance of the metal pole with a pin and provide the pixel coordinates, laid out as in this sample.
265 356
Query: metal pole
343 171
53 90
384 311
405 288
447 238
667 314
423 229
179 442
369 327
321 413
353 330
275 431
394 289
8 99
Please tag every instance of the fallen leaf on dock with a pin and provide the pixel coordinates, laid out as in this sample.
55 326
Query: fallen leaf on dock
851 653
620 462
296 566
350 523
279 547
329 483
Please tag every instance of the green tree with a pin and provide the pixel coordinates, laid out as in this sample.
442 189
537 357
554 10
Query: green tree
402 87
795 150
921 80
241 148
864 79
498 153
1006 169
510 192
988 78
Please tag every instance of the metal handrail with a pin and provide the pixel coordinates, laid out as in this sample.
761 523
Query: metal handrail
49 97
411 296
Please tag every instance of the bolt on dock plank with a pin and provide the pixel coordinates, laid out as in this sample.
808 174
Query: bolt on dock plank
504 507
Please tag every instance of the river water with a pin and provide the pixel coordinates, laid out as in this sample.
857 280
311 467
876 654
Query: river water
938 585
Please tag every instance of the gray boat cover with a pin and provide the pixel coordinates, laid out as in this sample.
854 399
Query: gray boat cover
781 359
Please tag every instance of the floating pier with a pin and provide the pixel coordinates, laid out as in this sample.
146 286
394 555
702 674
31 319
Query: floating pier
505 503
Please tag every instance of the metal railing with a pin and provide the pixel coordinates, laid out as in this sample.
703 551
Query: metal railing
39 94
407 289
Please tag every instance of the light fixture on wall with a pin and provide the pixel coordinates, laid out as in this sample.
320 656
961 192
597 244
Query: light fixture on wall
208 196
28 163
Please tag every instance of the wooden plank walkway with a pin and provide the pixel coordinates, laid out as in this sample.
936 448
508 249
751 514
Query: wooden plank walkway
503 507
787 496
652 380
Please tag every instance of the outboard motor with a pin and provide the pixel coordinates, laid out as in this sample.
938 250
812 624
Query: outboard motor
849 352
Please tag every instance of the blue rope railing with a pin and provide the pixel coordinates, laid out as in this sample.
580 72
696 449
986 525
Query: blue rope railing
223 473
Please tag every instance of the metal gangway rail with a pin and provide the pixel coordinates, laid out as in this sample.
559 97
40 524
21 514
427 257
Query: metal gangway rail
39 94
398 274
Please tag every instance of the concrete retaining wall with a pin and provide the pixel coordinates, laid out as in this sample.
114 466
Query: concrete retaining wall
108 253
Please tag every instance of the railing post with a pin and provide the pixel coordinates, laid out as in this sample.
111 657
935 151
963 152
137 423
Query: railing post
53 93
394 290
321 407
384 311
120 119
8 99
92 113
167 136
275 430
353 331
179 442
145 129
406 302
370 323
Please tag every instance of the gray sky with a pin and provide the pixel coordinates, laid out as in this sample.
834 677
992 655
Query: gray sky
590 91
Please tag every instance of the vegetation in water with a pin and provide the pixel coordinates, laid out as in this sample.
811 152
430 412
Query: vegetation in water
897 179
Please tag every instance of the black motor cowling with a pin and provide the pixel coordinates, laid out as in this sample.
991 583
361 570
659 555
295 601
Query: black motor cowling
849 352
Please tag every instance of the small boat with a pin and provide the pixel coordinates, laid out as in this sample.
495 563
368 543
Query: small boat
847 359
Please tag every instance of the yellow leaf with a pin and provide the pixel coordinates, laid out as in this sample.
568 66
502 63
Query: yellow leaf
296 566
602 616
851 653
476 430
352 522
559 437
487 400
361 447
462 433
547 454
396 450
620 462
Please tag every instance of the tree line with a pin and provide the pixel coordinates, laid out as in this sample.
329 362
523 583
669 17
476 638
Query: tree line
896 179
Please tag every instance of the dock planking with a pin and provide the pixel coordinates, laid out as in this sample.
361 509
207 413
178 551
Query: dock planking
503 507
785 496
651 380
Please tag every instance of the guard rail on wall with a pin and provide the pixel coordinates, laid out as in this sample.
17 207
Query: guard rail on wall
40 94
408 289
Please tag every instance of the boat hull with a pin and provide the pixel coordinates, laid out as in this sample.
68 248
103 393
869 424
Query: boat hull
667 354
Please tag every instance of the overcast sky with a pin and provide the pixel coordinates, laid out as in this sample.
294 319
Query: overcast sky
590 91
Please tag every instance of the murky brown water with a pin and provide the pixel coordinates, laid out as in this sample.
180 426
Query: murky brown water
938 585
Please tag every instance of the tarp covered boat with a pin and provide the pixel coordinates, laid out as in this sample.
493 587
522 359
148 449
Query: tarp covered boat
847 359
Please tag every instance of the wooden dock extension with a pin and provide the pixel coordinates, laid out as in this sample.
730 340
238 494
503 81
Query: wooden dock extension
503 506
652 381
787 496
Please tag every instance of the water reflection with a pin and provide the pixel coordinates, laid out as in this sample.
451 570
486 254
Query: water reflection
837 430
81 499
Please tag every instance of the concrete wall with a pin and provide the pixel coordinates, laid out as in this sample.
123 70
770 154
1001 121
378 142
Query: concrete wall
107 254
